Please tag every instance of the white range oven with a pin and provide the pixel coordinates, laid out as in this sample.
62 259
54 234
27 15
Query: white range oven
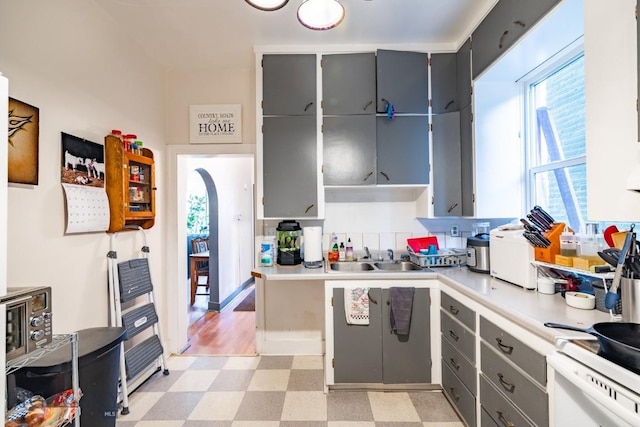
591 391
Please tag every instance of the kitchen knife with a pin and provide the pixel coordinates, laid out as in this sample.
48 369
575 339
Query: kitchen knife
541 219
544 213
527 225
611 298
535 222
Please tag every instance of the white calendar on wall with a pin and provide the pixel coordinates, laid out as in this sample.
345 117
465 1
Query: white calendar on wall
87 208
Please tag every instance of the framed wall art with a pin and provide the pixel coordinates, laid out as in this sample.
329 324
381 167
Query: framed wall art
215 124
24 124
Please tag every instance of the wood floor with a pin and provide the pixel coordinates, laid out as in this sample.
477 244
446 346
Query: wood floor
226 333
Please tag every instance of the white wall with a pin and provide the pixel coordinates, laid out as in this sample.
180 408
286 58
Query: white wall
67 59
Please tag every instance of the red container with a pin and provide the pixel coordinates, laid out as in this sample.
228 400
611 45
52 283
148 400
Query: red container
418 243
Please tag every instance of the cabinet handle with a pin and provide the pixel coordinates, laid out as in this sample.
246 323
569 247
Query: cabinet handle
519 24
452 207
506 349
500 42
453 335
455 395
308 105
454 310
507 386
454 363
448 104
372 299
385 175
368 175
503 420
308 208
367 106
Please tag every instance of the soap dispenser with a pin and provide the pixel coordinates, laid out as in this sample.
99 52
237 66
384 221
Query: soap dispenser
349 251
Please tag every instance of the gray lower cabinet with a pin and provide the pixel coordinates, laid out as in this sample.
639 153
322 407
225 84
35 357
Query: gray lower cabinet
459 395
290 164
349 150
402 79
349 84
402 150
289 85
371 353
498 408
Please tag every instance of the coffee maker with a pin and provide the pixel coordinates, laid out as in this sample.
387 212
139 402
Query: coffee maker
289 239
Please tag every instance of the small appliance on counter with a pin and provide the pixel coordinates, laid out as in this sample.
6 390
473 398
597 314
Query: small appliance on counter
289 239
478 253
312 246
511 257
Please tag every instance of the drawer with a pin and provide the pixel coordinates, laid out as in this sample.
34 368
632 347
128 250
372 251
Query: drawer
461 338
458 311
523 356
499 409
524 393
459 396
485 419
460 365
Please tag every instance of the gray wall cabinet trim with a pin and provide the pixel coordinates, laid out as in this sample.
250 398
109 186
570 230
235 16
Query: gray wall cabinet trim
447 173
444 96
349 150
349 84
463 74
403 80
467 161
403 150
289 85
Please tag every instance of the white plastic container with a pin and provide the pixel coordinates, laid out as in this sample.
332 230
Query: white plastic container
266 253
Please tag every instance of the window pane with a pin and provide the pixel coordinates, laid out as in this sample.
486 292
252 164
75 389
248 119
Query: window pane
562 193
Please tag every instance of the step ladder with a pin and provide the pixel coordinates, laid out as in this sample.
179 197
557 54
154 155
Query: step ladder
128 281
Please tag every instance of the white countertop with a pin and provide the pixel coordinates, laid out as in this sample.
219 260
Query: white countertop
527 308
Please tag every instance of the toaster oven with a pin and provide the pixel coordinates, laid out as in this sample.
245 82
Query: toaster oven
28 320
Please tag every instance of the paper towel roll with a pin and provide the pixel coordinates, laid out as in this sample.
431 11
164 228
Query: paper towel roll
312 243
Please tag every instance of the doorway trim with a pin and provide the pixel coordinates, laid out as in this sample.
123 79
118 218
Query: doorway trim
176 233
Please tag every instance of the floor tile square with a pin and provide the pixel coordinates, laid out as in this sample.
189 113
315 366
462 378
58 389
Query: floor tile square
392 406
159 382
305 406
261 406
255 424
232 380
306 380
218 405
444 424
177 423
191 423
240 362
198 380
433 406
401 424
180 363
308 362
139 404
126 423
214 363
303 424
275 362
348 406
351 424
269 380
174 406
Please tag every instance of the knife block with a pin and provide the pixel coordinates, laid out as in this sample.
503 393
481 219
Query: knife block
549 254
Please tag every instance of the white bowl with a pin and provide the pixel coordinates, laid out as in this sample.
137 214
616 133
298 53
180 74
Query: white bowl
580 300
546 285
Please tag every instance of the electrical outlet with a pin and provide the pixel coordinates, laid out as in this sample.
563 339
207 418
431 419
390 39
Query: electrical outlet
454 231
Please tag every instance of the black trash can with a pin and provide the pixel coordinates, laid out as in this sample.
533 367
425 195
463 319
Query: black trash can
98 373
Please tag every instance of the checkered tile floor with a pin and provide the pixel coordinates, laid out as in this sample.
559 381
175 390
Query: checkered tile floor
272 391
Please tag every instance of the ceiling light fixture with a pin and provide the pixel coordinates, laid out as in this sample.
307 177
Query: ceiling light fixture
268 5
321 14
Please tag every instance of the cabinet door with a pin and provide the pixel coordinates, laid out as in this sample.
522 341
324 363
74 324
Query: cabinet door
447 178
349 83
407 358
503 27
357 348
463 74
444 98
290 165
403 80
467 161
289 85
402 148
349 144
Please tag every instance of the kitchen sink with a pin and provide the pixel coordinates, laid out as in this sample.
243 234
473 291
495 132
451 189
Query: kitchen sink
362 266
397 266
351 266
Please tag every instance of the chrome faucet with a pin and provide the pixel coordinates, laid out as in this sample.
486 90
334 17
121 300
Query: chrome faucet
367 253
390 254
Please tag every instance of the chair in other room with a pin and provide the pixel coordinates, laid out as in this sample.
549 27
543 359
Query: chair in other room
198 245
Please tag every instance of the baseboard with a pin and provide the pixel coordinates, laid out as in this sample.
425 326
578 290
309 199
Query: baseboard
217 306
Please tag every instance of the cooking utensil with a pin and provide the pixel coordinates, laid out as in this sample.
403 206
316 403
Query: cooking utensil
611 298
619 342
618 238
607 235
610 256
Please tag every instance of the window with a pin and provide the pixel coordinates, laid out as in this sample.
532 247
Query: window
555 120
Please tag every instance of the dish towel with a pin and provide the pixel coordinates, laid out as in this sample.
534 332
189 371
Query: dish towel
356 305
401 301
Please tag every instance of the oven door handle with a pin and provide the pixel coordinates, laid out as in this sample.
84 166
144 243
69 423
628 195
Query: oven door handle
561 365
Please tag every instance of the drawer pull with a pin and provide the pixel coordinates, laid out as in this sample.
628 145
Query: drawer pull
454 363
453 310
453 335
503 420
507 386
455 395
367 177
506 349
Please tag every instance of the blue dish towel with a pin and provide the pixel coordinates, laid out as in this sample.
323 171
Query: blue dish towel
401 301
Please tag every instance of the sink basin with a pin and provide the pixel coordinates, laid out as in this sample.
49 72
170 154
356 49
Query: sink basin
351 266
397 266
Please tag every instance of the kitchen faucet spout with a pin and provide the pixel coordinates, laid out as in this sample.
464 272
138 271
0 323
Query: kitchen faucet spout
390 254
367 253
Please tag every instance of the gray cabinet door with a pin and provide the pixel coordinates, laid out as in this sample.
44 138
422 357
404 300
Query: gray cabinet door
463 74
402 147
357 348
444 97
290 164
503 27
467 161
289 85
447 178
349 150
349 84
402 80
407 358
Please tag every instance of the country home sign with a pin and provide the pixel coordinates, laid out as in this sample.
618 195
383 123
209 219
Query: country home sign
215 124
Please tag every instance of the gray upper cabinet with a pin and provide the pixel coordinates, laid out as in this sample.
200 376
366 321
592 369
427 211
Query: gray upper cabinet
467 161
289 85
463 74
447 176
402 80
290 163
402 150
503 27
444 97
349 146
349 84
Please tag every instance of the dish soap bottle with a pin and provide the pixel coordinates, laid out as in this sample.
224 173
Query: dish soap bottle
333 252
349 252
342 254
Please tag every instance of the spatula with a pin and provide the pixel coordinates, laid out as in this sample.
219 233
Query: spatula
608 232
611 298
